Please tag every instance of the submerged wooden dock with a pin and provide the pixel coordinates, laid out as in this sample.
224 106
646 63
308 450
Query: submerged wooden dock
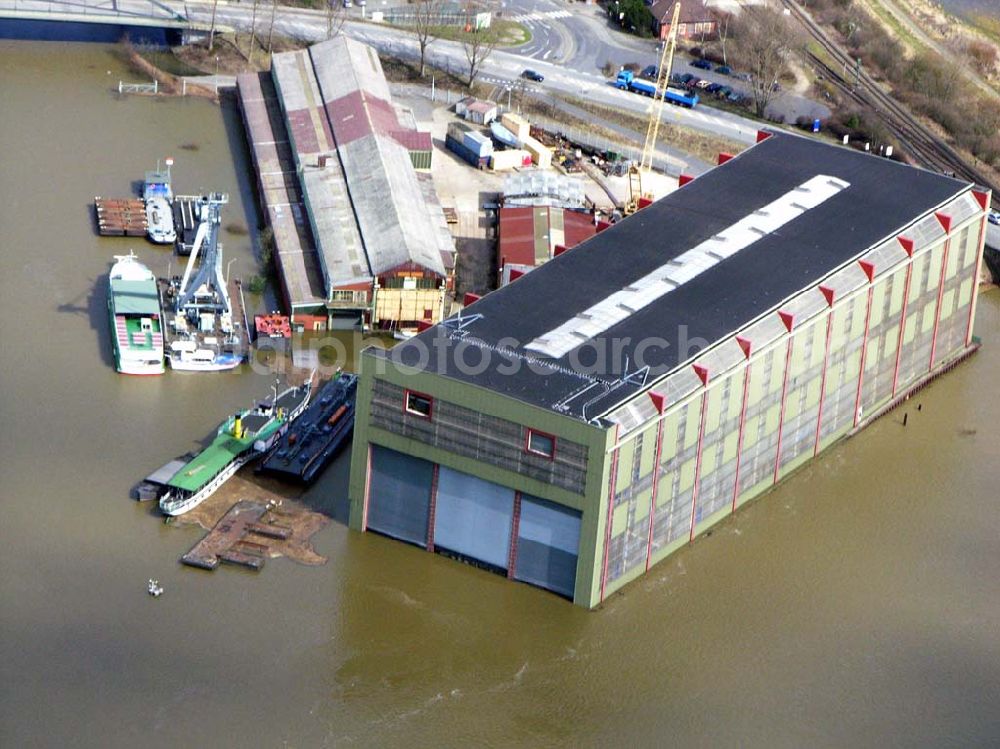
242 536
226 541
121 217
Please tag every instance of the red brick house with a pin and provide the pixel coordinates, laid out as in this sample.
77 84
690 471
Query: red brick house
696 20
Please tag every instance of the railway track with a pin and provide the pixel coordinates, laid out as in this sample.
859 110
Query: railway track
919 143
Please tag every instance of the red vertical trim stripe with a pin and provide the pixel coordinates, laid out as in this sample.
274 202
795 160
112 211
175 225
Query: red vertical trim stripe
432 513
368 489
781 413
515 526
940 296
656 487
739 438
902 327
975 281
864 353
611 509
697 462
822 379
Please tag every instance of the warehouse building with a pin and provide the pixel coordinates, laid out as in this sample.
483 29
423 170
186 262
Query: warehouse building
381 247
530 236
579 425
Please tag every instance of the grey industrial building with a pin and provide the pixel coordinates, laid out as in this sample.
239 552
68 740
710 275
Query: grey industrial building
577 426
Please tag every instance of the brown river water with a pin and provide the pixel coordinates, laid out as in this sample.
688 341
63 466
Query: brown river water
856 605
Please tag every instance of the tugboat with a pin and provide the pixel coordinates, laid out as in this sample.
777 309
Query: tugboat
158 196
154 588
240 439
135 317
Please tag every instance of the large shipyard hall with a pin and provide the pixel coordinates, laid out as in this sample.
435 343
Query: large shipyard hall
582 423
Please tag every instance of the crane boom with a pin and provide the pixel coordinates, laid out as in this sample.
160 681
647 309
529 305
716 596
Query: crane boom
655 113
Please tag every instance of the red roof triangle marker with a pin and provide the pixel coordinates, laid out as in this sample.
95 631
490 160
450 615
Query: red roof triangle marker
982 197
869 268
907 244
515 274
745 344
945 221
702 371
828 293
470 298
788 319
659 400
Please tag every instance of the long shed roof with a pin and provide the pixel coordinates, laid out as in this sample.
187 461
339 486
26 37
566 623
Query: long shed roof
679 276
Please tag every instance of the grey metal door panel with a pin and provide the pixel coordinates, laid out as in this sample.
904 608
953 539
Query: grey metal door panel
548 542
473 517
399 495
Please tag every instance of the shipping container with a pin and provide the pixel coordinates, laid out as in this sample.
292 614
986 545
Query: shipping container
541 155
510 159
465 153
478 143
517 125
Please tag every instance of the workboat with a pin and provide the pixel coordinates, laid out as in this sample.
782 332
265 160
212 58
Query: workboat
311 442
203 335
134 313
241 438
158 196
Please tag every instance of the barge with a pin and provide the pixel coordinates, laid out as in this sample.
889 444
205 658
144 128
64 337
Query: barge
311 443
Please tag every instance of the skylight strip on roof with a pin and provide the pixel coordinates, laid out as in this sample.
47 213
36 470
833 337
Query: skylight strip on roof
647 289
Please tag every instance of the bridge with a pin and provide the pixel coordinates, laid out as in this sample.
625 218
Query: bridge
131 13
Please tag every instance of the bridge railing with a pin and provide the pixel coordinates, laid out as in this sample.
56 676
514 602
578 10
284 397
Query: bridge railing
148 9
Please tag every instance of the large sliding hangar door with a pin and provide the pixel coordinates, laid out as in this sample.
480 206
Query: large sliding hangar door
474 518
399 495
548 537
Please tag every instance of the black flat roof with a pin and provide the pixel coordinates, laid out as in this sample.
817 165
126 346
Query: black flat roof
486 345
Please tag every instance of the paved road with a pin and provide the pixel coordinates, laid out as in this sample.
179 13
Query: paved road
502 68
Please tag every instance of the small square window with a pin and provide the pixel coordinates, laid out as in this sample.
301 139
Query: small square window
419 404
540 443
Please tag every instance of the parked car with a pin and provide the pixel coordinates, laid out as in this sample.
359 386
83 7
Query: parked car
675 78
724 92
692 82
531 75
724 69
649 72
742 76
684 79
713 87
736 97
993 217
702 64
704 83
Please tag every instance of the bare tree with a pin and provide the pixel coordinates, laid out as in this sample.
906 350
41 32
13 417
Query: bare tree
253 32
211 32
270 26
762 41
722 19
479 45
335 18
426 25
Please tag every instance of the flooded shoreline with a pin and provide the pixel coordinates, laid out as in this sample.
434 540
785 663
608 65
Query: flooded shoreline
854 605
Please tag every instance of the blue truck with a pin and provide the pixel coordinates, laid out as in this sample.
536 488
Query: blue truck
627 81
